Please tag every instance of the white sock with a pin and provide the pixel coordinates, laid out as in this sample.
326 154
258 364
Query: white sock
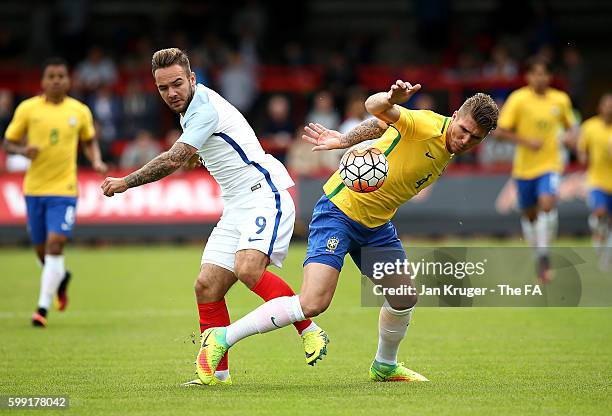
529 233
392 327
222 374
546 231
599 229
275 313
52 274
310 328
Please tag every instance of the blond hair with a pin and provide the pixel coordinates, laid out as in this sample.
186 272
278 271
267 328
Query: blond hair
168 57
482 109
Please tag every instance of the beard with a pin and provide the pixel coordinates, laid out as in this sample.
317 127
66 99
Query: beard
187 101
189 98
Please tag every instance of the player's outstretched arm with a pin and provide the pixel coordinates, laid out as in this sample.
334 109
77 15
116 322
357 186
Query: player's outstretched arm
383 104
327 139
160 167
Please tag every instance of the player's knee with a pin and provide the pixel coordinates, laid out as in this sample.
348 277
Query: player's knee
547 204
248 274
54 248
205 289
314 307
401 303
600 213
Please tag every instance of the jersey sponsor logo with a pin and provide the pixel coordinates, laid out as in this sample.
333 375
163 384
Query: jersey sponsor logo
72 121
332 244
255 187
429 155
420 182
251 239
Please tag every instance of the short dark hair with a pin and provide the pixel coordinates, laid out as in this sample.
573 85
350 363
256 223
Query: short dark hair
482 108
538 61
168 57
54 61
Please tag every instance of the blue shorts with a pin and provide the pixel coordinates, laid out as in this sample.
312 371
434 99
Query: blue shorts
599 199
530 190
332 235
50 214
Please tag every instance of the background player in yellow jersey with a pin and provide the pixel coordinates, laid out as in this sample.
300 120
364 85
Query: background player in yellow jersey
533 117
47 129
418 146
595 149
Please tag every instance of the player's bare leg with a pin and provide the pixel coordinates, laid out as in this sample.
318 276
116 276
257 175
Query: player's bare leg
40 249
319 285
52 275
250 268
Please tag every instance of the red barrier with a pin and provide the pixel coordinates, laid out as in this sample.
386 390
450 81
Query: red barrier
186 197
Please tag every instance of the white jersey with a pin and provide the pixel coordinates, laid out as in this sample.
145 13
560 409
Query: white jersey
228 146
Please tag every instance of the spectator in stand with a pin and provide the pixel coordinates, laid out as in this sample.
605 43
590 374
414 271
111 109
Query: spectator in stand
141 150
7 104
107 112
14 162
301 160
501 65
424 101
468 66
355 113
278 128
323 111
140 109
237 83
96 71
575 73
171 137
339 76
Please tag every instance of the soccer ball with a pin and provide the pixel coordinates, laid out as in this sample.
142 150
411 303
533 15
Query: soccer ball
364 170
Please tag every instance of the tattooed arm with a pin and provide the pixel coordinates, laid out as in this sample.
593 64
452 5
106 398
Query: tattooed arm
160 167
326 139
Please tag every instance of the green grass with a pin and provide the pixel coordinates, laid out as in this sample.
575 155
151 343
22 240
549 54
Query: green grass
124 346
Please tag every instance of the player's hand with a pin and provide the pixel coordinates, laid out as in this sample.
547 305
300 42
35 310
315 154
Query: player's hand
193 162
100 167
534 144
401 91
112 186
322 137
31 152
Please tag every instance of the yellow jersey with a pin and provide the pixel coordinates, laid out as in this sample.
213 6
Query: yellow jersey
540 117
56 130
596 140
415 147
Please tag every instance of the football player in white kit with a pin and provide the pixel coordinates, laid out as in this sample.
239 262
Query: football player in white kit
258 216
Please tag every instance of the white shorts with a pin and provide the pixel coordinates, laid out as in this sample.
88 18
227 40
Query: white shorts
260 220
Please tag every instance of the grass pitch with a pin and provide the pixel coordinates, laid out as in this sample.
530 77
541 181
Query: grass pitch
124 346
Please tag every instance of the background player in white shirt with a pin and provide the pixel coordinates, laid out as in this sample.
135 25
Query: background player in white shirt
258 216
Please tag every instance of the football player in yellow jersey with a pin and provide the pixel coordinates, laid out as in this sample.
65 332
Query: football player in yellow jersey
47 129
533 117
418 146
595 150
